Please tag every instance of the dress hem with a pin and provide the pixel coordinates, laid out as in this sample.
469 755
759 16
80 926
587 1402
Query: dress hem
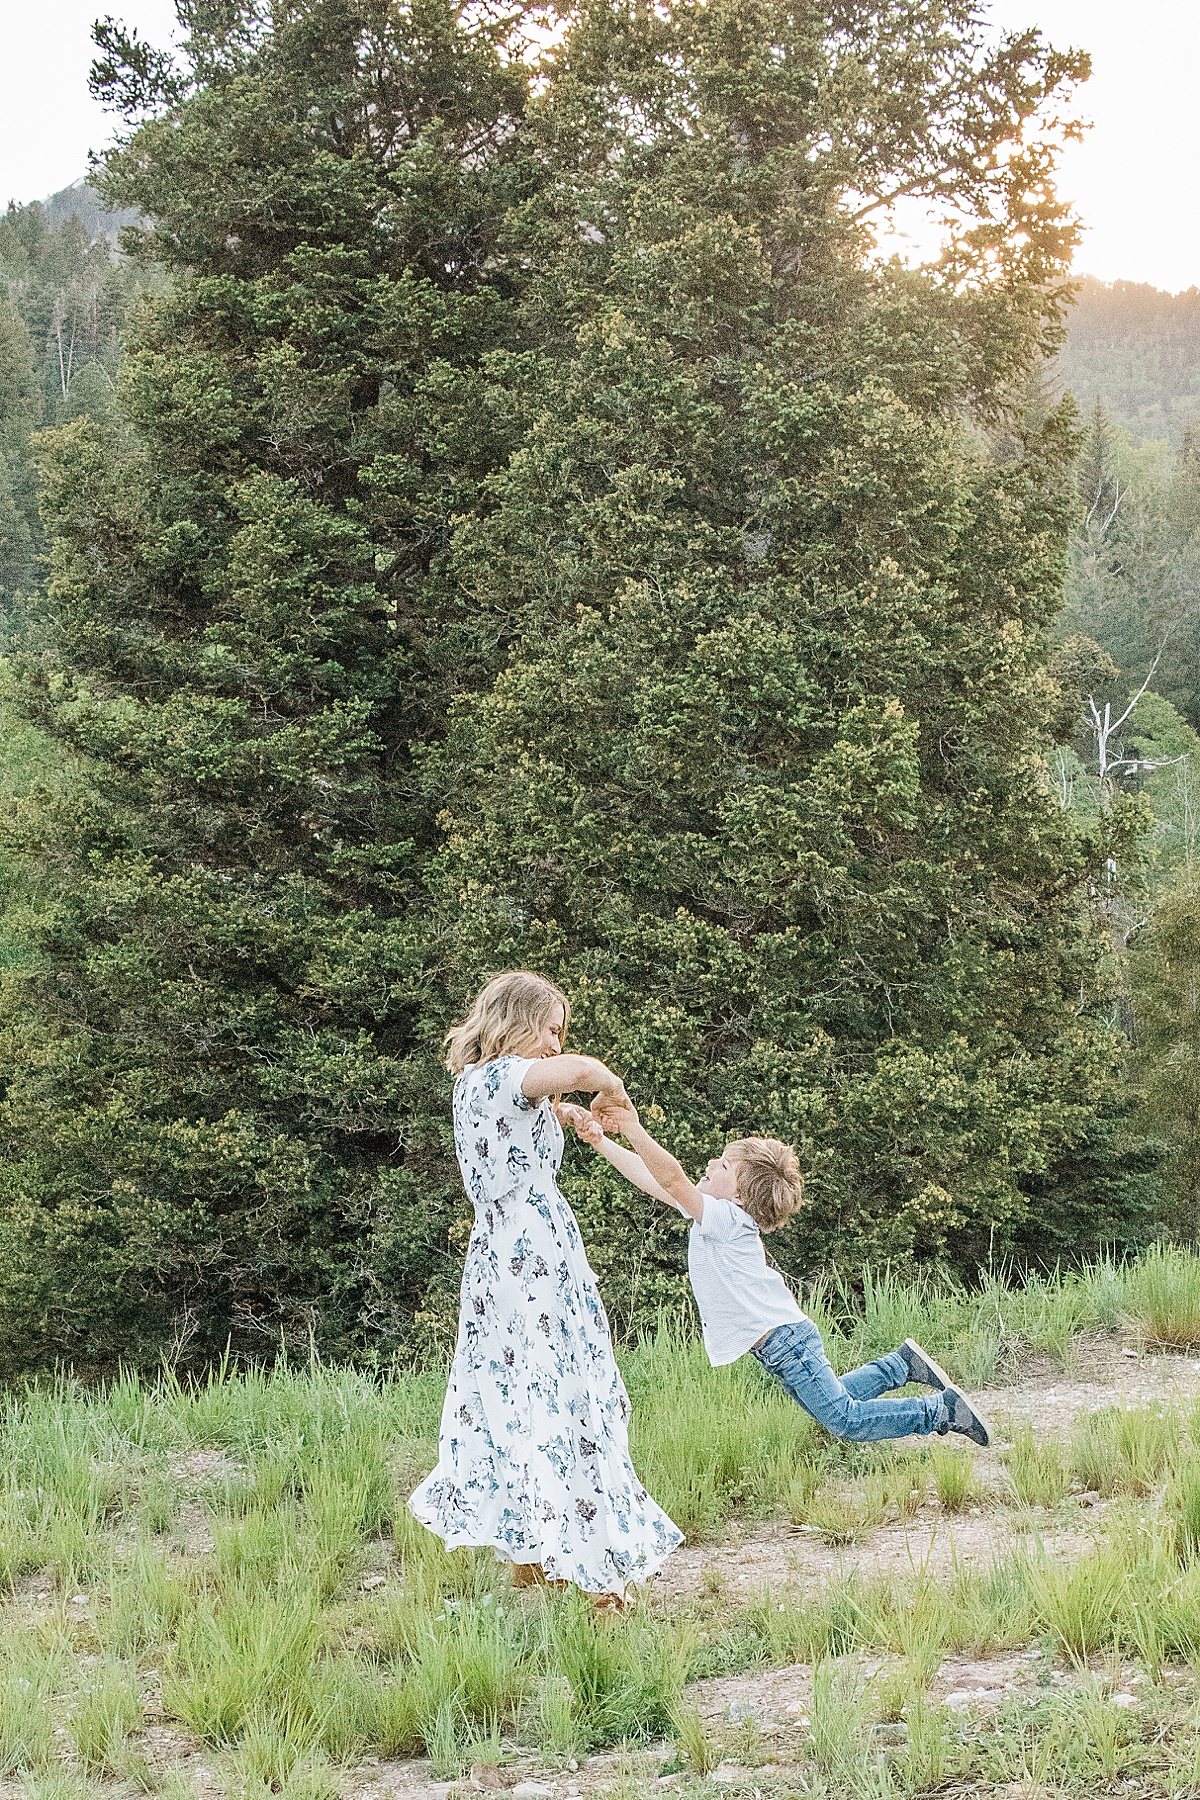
454 1540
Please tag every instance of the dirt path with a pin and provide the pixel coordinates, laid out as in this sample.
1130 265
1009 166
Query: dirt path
779 1558
1102 1371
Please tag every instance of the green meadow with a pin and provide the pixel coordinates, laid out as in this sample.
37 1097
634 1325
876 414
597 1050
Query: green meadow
215 1585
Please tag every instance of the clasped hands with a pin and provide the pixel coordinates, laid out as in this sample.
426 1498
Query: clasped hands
610 1112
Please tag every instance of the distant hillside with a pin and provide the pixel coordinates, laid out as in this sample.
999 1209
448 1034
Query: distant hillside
1139 350
79 201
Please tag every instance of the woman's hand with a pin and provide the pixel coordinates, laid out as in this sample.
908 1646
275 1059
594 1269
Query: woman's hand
614 1112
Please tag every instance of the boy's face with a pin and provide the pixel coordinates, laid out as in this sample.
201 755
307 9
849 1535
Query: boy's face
720 1177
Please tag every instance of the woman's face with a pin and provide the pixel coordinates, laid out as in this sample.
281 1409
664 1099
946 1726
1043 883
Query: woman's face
548 1041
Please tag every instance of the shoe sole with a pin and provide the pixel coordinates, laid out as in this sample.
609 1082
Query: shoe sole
941 1379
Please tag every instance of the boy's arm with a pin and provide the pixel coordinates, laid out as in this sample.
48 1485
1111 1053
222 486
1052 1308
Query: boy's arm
659 1163
624 1161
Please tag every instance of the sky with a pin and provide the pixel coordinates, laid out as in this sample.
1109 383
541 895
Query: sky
1134 178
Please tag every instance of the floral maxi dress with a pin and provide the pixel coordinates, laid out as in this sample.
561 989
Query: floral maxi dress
533 1454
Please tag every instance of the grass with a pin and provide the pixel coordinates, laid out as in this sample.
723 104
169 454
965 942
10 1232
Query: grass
1040 1472
708 1441
1122 1451
954 1478
1160 1297
234 1558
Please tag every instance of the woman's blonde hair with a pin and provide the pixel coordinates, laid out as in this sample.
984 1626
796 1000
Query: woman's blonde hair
769 1183
507 1016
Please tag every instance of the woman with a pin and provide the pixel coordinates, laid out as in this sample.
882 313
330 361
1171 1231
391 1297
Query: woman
533 1456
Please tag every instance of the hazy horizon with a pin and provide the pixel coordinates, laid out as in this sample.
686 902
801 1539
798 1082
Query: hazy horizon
1130 179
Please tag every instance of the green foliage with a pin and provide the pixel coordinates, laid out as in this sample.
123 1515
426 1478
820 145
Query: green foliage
529 527
1165 972
1132 590
250 632
753 787
1135 562
63 301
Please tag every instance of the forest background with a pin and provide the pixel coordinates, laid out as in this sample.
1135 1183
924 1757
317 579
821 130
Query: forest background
468 524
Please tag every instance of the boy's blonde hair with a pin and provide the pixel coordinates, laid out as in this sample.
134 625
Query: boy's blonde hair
506 1016
769 1184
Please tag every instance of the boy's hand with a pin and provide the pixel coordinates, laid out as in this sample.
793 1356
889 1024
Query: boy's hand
589 1129
581 1122
614 1113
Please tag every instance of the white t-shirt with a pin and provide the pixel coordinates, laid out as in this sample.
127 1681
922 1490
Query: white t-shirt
739 1296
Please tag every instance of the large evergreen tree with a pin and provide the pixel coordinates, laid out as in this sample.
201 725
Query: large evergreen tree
573 409
250 639
764 785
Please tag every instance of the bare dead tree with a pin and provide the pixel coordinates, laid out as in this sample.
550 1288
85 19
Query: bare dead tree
1104 727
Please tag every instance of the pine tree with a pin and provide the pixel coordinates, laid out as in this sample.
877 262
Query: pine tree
19 413
1165 966
214 1106
577 413
764 786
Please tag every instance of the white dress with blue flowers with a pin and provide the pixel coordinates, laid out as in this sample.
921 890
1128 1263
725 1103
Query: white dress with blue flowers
533 1456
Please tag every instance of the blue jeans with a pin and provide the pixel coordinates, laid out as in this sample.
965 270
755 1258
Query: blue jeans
849 1408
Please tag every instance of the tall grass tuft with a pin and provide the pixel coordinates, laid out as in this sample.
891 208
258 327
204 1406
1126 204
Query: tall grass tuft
1182 1505
954 1478
1080 1602
1039 1472
473 1658
625 1682
102 1716
1120 1451
846 1515
249 1657
693 1745
26 1727
1160 1296
839 1743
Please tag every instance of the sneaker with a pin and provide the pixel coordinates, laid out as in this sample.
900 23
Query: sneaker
921 1366
963 1416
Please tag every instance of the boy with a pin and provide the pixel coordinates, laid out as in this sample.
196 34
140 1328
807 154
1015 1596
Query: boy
753 1187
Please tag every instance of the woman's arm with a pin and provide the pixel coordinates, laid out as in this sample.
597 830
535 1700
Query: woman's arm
570 1075
624 1161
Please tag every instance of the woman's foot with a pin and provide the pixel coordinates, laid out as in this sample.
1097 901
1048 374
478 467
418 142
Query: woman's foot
614 1603
531 1575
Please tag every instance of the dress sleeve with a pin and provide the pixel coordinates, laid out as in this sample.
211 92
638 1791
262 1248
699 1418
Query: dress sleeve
514 1074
